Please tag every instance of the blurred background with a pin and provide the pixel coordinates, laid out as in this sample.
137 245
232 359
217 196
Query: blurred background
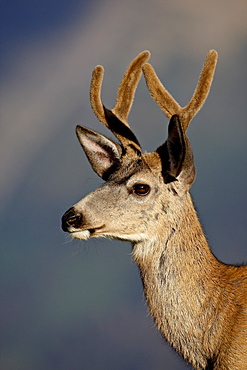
73 305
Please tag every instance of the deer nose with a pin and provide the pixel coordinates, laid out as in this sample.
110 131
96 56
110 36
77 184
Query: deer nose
70 219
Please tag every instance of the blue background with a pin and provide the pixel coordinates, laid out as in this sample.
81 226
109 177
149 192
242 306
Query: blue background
67 304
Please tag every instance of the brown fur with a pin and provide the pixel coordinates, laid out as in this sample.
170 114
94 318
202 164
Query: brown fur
198 303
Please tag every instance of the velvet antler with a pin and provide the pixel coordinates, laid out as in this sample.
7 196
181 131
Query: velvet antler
168 104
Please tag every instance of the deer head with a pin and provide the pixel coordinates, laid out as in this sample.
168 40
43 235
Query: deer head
141 190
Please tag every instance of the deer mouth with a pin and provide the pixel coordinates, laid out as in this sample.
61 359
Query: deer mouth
85 234
80 234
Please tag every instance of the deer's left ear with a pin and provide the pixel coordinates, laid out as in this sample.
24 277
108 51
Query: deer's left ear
176 155
103 154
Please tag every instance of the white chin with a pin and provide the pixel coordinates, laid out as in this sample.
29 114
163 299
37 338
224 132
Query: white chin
81 234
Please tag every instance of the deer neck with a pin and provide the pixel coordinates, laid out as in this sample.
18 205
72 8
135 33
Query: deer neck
176 275
179 242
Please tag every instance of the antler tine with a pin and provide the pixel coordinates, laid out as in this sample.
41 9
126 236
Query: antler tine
95 91
128 86
160 95
202 90
168 104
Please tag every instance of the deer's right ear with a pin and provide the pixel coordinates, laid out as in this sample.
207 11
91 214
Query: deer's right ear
103 154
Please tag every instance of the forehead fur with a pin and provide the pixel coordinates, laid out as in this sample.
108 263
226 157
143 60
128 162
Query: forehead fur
153 161
146 162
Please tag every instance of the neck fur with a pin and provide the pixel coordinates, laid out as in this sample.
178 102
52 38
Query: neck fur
175 275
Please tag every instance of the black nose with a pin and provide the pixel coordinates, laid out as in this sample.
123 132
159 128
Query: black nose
71 219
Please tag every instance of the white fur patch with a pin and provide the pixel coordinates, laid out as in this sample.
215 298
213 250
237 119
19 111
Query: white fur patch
142 249
125 237
81 234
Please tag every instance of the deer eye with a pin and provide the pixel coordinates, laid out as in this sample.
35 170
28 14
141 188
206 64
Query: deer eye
141 189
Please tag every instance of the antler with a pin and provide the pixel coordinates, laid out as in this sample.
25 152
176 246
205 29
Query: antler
116 119
168 104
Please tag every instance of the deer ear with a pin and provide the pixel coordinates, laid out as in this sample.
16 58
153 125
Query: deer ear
176 155
175 146
103 154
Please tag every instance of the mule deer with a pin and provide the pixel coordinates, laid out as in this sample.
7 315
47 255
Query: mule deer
198 303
